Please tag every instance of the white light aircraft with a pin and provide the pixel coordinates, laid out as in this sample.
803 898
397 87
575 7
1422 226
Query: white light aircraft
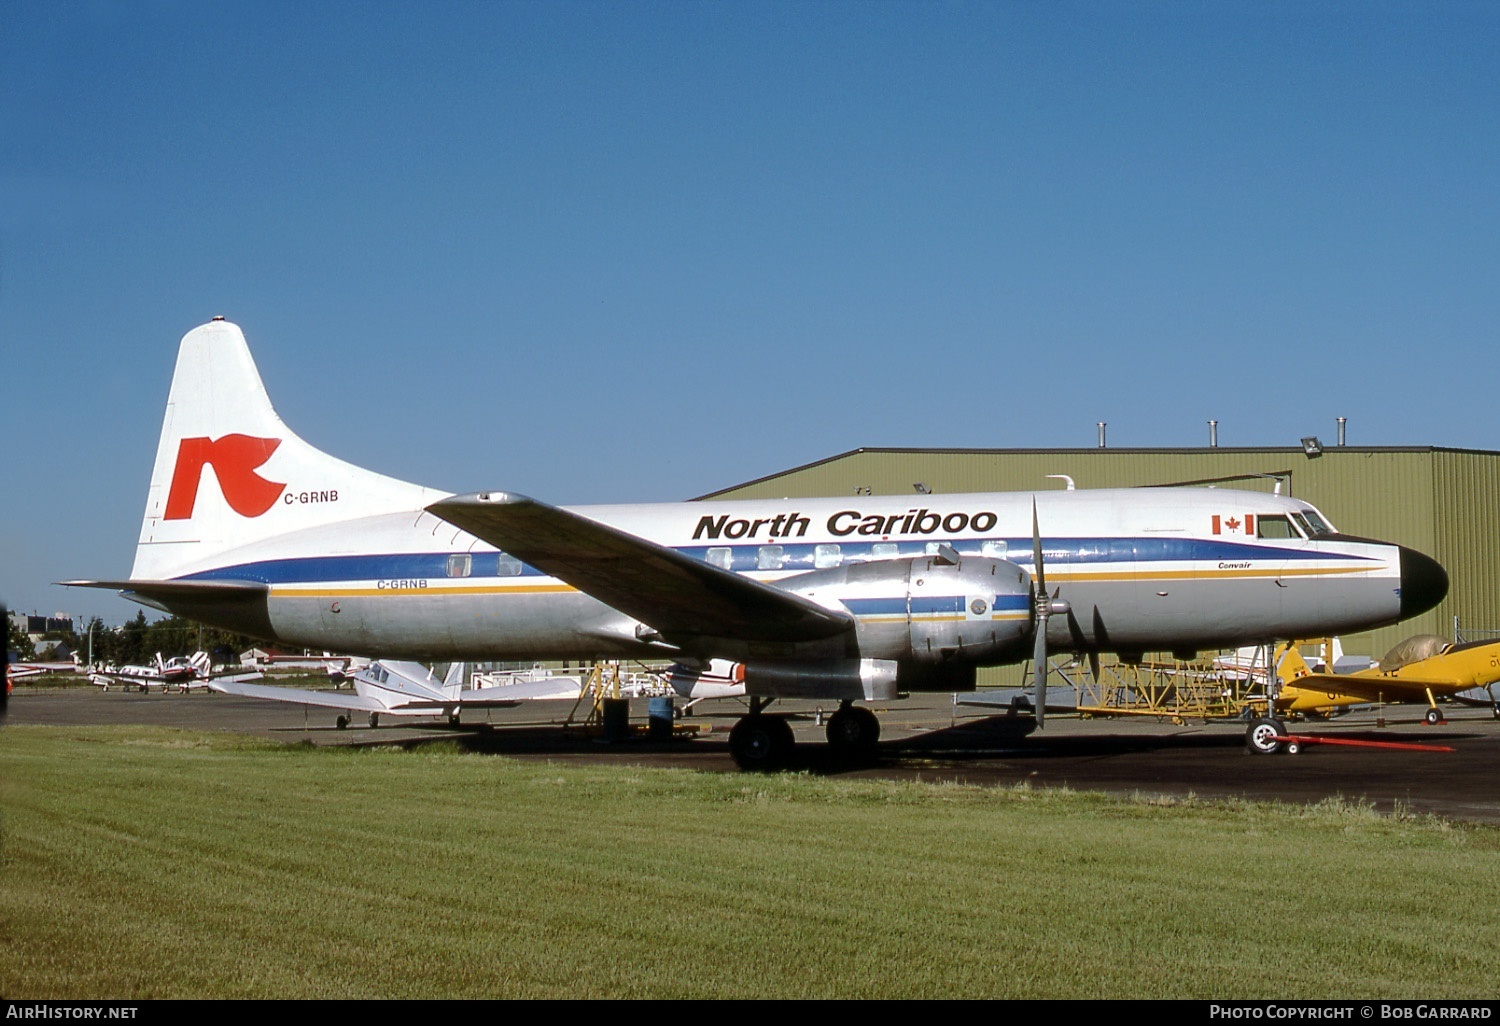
250 528
180 673
392 687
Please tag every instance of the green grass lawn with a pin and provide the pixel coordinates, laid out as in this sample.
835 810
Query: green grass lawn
144 862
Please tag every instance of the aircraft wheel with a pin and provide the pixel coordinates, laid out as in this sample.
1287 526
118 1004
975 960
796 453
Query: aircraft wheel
853 732
1293 747
341 722
1261 737
1495 712
1434 717
760 742
453 721
374 719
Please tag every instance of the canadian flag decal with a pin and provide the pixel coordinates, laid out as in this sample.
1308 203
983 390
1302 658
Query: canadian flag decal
234 459
1235 525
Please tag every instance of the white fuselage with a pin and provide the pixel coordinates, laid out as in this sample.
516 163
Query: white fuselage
1142 569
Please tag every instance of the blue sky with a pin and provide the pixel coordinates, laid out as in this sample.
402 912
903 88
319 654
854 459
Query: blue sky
640 251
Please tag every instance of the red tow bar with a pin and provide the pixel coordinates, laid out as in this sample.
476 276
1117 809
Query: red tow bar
1400 746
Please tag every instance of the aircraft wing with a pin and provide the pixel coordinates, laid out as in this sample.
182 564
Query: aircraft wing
298 696
514 694
681 597
1374 689
468 699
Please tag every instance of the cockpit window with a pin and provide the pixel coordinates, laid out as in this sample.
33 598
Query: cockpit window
1274 527
1315 524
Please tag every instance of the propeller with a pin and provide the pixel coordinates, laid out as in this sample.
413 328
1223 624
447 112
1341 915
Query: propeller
1046 605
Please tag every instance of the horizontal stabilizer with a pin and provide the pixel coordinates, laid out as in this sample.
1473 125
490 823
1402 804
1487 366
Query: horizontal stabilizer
190 590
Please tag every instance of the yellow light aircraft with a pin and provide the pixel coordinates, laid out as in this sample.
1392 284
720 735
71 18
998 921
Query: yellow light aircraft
1421 668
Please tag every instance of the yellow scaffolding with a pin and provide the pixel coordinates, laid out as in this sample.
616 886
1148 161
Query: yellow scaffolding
1179 690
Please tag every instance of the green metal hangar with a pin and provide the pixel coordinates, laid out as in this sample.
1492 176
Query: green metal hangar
1438 501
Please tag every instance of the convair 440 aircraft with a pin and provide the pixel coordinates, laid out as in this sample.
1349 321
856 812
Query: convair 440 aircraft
250 528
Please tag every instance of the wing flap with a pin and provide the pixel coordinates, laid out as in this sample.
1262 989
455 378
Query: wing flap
681 597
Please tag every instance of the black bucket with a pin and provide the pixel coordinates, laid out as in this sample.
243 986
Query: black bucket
616 719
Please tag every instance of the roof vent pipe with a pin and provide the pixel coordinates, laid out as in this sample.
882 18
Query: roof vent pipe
1342 422
1213 434
1101 434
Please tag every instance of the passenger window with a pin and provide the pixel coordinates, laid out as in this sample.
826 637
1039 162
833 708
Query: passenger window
885 550
770 557
994 549
721 556
825 556
458 565
1274 527
507 566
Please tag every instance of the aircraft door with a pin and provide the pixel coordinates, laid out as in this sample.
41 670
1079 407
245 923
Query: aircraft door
1297 598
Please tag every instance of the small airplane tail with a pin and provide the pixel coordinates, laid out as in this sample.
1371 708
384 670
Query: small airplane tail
453 681
1292 665
229 473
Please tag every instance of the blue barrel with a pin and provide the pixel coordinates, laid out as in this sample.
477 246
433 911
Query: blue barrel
616 719
659 716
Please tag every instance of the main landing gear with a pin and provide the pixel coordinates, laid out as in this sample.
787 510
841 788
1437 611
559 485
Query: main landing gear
762 742
853 732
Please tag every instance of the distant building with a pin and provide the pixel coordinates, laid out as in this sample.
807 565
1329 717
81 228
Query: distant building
34 626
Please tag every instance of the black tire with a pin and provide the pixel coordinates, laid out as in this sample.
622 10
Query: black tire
342 722
1260 738
761 743
853 732
374 720
1433 717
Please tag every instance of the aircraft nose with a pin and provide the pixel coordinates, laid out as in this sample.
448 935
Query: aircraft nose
1424 582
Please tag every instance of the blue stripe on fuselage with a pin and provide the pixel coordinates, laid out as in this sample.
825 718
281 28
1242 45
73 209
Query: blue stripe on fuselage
798 557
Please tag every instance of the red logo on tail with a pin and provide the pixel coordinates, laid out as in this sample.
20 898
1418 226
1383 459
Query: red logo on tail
234 459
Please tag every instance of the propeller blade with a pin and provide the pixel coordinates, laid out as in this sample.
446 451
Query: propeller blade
1038 572
1043 605
1094 665
1039 664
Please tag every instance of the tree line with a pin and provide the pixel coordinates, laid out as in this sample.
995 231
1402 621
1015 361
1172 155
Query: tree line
135 642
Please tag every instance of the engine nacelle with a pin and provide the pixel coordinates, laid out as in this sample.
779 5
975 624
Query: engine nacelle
932 611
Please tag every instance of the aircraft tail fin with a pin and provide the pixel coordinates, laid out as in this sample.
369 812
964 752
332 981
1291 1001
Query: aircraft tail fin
228 472
453 681
1292 665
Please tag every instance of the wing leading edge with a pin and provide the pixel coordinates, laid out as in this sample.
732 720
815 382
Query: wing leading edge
682 598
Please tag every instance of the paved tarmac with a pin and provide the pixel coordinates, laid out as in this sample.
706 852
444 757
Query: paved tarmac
927 737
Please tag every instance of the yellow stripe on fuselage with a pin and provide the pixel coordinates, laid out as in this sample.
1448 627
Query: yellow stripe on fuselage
1059 576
